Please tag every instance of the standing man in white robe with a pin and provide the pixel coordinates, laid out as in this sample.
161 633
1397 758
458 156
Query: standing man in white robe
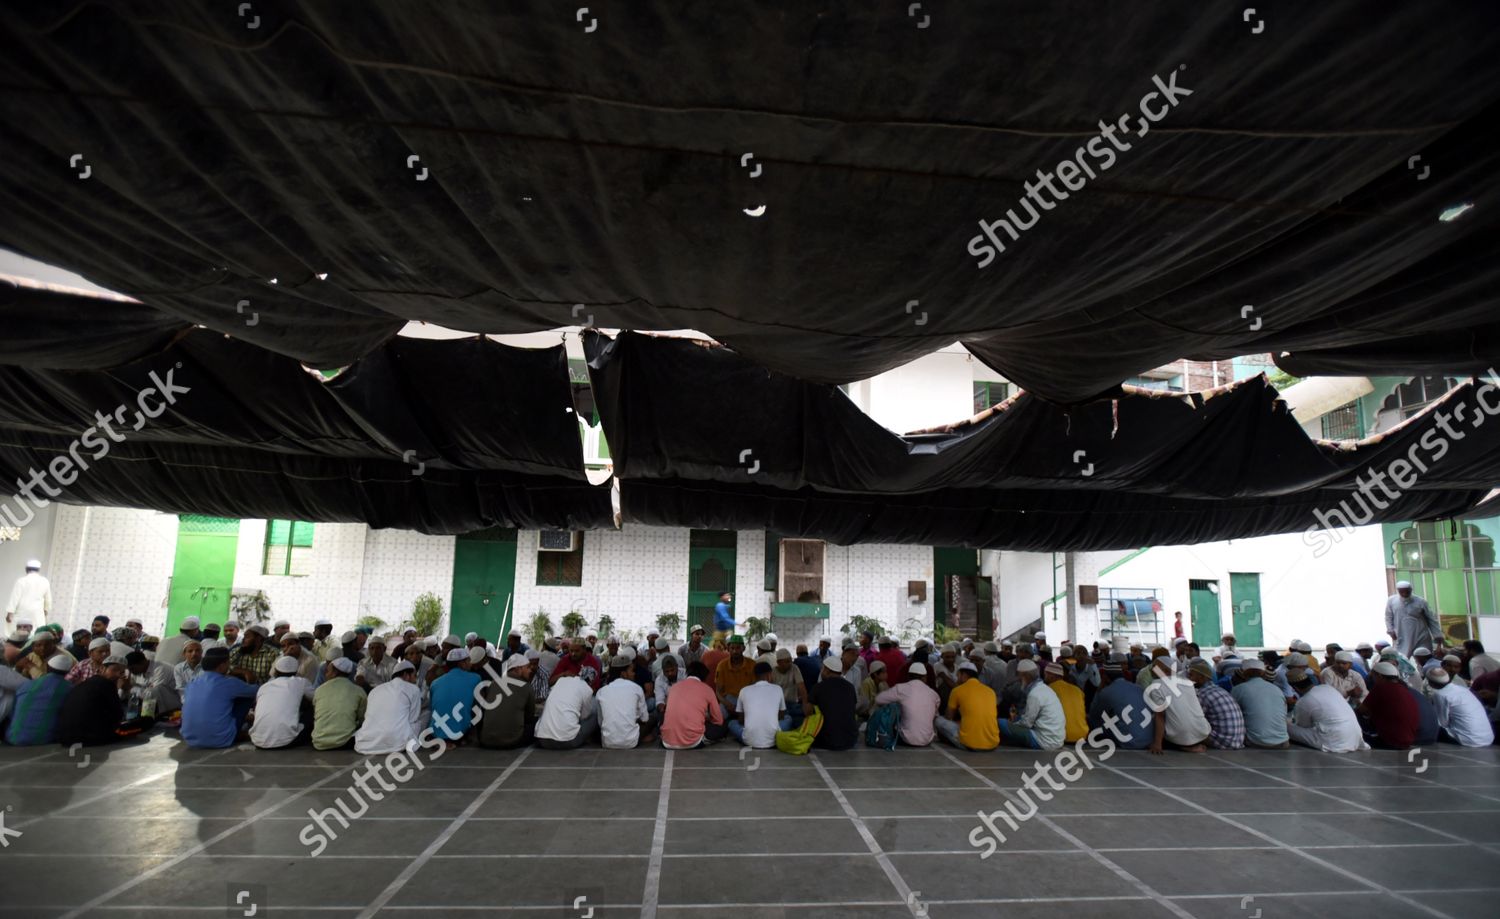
1410 622
31 597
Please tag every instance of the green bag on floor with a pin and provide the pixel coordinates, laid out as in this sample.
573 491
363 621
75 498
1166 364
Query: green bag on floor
799 739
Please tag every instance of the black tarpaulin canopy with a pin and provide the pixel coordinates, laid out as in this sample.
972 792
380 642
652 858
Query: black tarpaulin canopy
488 166
804 183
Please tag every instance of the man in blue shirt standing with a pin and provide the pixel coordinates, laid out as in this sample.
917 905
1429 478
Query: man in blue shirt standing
214 705
723 621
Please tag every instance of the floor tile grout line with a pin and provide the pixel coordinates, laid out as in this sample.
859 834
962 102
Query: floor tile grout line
1415 778
651 893
1118 870
30 759
1372 810
221 836
1300 853
410 871
903 890
110 791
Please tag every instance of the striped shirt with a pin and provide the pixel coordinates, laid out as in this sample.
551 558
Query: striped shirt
1226 723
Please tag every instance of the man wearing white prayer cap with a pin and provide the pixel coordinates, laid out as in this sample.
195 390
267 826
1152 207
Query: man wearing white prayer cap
513 645
169 652
377 667
338 707
1410 621
283 707
1461 716
1343 677
31 597
393 714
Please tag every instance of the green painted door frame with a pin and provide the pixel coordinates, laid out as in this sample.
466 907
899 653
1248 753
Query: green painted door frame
1244 592
484 583
711 568
948 563
202 569
1203 599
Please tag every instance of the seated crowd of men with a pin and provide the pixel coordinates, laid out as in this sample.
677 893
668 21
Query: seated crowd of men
379 694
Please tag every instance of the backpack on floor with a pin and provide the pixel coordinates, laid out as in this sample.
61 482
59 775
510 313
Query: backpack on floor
880 730
799 739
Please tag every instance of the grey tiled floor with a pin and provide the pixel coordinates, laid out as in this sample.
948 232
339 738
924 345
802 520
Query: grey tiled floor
153 829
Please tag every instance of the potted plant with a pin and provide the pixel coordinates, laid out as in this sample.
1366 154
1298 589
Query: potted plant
858 624
669 624
606 625
250 606
573 623
538 627
755 628
426 614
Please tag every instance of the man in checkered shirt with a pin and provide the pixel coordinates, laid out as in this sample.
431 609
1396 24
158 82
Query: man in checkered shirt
1226 723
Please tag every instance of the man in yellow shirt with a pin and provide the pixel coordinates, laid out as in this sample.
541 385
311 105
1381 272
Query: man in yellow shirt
733 674
976 726
1075 716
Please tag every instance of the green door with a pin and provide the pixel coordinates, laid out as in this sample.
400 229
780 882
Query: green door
484 583
949 568
1244 592
1203 598
710 571
203 569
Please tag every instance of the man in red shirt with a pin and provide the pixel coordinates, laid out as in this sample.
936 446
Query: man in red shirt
895 660
579 662
1389 713
692 717
1178 626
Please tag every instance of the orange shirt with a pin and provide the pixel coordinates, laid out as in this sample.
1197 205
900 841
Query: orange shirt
730 679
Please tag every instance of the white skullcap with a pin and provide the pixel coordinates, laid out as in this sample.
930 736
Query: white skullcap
116 659
920 643
1254 665
60 662
281 624
763 645
1040 635
32 563
514 633
1422 652
917 669
1438 677
771 636
782 654
190 622
100 642
663 645
323 622
471 636
1296 659
833 664
1452 659
375 640
453 640
286 664
969 666
515 662
403 667
342 665
1386 668
1364 646
457 654
1344 657
119 649
348 637
477 655
532 654
1403 585
875 666
1026 666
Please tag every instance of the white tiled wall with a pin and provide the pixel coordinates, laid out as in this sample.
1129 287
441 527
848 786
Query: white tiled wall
330 591
633 574
111 560
399 566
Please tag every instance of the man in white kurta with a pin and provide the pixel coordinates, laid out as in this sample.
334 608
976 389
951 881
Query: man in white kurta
393 714
278 708
31 597
1324 721
1410 622
1461 716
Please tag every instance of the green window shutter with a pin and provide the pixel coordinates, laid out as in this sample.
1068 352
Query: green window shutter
278 532
302 533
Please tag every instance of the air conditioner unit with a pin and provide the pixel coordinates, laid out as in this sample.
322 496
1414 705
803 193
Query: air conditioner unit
557 541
